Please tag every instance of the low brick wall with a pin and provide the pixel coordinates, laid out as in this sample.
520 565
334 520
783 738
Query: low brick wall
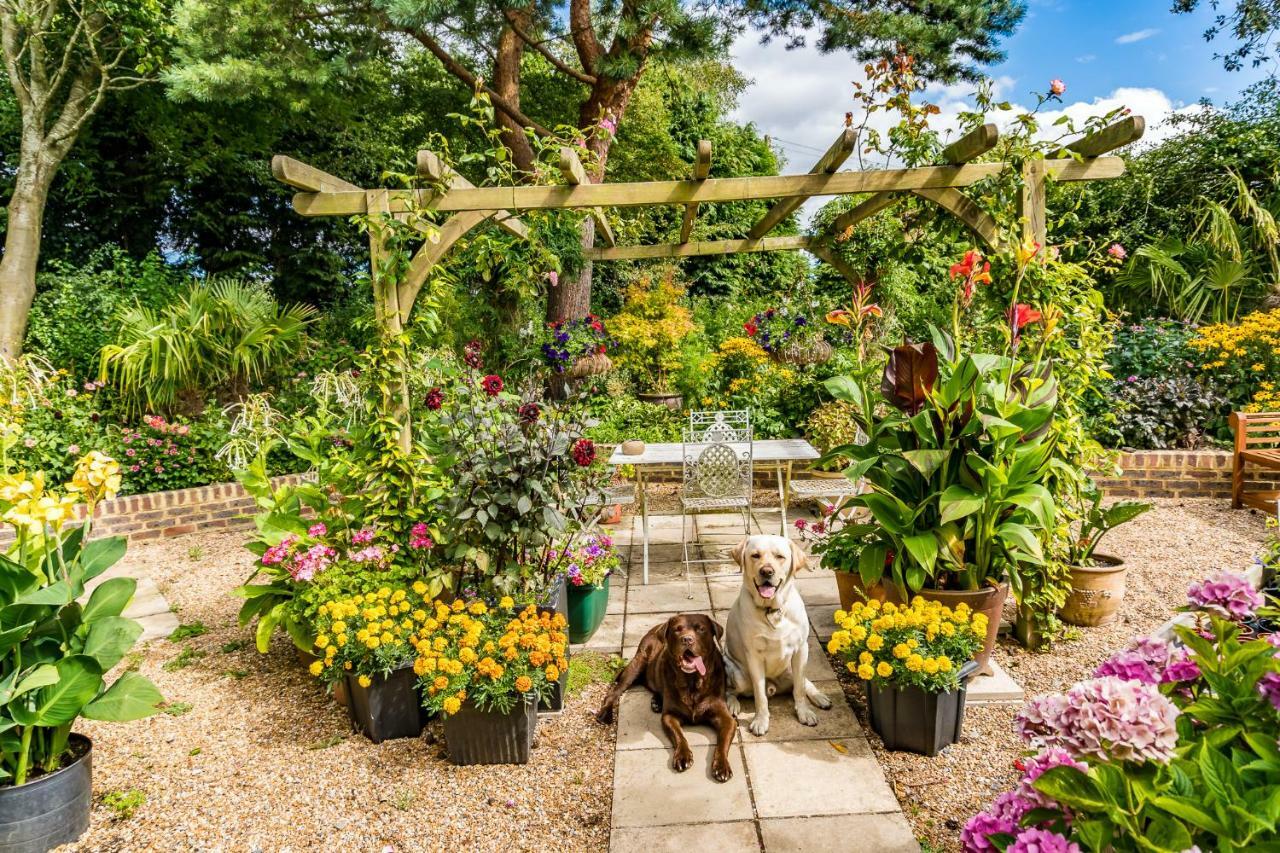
1181 474
160 515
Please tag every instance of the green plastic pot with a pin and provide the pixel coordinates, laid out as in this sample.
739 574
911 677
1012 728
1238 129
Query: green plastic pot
587 606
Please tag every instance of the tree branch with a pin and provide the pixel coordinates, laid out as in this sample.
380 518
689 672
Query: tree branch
10 47
584 35
457 69
555 61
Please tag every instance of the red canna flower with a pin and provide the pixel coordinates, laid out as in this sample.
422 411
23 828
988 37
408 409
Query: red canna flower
1023 315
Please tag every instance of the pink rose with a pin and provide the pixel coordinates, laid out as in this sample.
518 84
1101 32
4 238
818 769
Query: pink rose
1117 251
1057 87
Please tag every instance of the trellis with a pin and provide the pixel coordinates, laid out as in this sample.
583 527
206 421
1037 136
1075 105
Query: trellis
469 206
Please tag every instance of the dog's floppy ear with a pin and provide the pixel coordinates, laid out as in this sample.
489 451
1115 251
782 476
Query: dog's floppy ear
799 559
717 628
661 633
739 553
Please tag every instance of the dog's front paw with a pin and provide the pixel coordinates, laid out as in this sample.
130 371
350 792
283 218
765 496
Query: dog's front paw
759 725
720 769
605 714
683 759
735 706
820 699
805 714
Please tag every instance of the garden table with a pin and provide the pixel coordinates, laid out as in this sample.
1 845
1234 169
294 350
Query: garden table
782 453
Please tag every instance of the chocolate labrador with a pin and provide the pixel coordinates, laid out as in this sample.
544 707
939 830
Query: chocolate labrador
681 664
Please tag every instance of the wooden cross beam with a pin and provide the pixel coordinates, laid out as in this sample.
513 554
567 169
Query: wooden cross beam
647 193
701 169
297 174
1109 138
575 175
829 163
704 247
431 166
972 145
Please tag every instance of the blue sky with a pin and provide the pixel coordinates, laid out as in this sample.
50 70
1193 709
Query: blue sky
1110 53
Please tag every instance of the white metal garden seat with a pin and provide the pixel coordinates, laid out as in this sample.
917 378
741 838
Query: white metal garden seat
717 477
731 425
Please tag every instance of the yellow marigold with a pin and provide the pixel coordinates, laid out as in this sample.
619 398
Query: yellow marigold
440 682
452 705
915 663
875 642
506 602
467 655
866 657
316 667
553 674
419 587
944 663
524 684
930 666
865 672
364 680
884 669
858 633
901 650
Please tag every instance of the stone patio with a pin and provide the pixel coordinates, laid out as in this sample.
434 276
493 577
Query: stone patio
844 794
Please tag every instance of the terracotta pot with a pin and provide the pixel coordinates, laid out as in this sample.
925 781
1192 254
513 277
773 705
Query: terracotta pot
590 365
853 590
612 515
989 600
669 399
1096 592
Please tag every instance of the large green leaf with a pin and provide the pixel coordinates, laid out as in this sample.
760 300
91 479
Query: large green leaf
871 562
266 626
110 638
845 389
1018 539
100 555
41 676
15 580
55 594
12 636
79 680
958 502
1071 787
926 461
923 547
131 697
109 598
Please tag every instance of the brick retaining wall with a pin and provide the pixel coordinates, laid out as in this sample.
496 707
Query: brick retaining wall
1181 474
160 515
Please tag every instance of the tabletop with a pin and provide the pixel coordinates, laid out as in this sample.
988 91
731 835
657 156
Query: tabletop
764 450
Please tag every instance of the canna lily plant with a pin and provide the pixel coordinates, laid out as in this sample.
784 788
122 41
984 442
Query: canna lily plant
55 648
955 468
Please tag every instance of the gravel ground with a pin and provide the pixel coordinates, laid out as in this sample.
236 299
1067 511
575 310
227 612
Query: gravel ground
1176 543
263 759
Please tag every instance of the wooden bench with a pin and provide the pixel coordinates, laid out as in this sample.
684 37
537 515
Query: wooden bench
1257 442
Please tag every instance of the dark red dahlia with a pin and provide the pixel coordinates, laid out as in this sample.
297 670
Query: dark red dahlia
434 398
529 413
473 355
492 385
584 452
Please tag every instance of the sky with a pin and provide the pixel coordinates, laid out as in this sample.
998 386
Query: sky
1133 53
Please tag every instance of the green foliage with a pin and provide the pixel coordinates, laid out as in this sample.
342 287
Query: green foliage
622 417
218 337
831 425
1095 521
48 685
650 329
1161 413
1252 23
185 658
187 630
176 709
159 454
124 804
70 317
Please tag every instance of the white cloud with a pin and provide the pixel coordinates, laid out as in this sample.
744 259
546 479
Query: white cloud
1140 35
799 99
1086 58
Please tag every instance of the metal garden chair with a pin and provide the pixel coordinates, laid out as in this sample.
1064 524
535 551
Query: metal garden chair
717 477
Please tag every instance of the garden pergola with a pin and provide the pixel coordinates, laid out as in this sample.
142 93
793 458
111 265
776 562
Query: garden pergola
469 206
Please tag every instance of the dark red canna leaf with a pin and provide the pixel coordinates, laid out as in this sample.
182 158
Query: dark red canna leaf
909 376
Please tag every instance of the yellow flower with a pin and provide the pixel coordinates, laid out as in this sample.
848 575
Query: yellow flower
875 642
553 674
364 680
884 669
901 650
866 657
97 477
419 587
865 672
322 641
524 684
506 602
944 664
452 705
930 666
915 663
316 668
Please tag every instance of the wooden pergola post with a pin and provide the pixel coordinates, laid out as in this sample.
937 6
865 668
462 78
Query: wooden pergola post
466 206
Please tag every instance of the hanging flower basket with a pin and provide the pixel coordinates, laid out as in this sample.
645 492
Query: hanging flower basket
804 352
590 365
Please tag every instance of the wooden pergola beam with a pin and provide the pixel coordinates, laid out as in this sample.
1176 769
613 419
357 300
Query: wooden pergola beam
431 166
1109 138
308 178
701 247
575 175
832 160
648 193
701 169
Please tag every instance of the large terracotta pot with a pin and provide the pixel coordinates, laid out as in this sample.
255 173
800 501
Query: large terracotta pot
852 590
1096 592
670 399
989 600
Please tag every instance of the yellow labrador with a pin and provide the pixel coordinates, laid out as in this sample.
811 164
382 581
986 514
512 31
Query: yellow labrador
767 632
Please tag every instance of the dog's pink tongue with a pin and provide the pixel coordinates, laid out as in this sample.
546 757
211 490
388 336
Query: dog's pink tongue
699 665
766 592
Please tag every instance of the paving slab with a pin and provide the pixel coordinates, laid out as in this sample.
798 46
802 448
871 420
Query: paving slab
818 588
873 833
617 596
669 598
647 792
821 617
731 837
833 724
999 688
817 777
607 638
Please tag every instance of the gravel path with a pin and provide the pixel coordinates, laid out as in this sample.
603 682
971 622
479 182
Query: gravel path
255 756
1176 543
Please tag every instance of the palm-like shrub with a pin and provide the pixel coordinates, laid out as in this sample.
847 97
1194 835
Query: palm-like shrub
218 338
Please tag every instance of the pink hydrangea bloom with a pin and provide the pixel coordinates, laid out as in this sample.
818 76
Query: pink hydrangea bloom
362 537
1041 841
1227 594
419 537
1103 718
317 529
999 818
1269 687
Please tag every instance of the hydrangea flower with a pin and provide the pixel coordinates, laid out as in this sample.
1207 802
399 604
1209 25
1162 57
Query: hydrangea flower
1227 594
1103 718
1150 660
1041 841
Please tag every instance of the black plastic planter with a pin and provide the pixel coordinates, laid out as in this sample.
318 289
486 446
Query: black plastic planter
390 707
486 737
557 602
913 720
50 810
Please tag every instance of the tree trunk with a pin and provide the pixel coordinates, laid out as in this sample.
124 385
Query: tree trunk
571 299
506 82
21 256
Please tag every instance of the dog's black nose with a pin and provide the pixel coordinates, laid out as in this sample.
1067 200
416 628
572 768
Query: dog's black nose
687 640
766 572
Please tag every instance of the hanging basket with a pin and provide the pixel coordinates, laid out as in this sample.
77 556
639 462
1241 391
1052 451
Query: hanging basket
590 365
800 353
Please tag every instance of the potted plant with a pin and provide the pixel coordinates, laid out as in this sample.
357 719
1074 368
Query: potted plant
57 651
368 642
650 329
485 669
829 426
842 555
955 471
916 661
577 348
586 567
1097 580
